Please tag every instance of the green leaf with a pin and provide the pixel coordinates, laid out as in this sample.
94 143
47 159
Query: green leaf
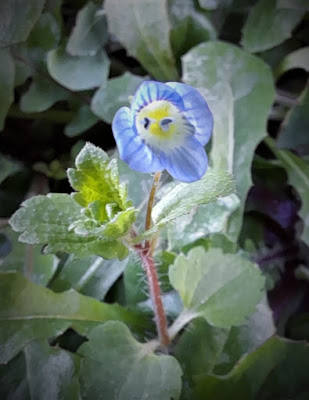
143 28
7 168
83 120
222 288
28 376
42 94
47 220
295 126
201 221
294 4
298 176
247 84
17 20
97 180
7 76
189 26
297 59
114 94
91 276
276 370
29 312
268 25
78 73
179 199
28 260
46 33
90 32
116 366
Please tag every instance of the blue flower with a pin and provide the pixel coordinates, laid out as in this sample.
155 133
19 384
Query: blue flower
167 127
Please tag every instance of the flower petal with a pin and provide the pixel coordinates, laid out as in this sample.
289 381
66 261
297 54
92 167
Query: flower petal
131 148
196 111
187 163
150 91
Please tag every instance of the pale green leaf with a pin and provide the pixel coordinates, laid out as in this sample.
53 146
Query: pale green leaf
268 25
298 176
209 4
47 219
42 94
29 312
7 77
83 120
51 373
116 366
143 27
114 94
78 73
189 26
17 18
201 221
90 32
222 288
278 369
183 196
247 84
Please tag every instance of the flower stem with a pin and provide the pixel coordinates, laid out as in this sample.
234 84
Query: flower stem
146 253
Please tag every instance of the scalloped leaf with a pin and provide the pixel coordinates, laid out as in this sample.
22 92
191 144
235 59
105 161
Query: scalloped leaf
222 288
116 366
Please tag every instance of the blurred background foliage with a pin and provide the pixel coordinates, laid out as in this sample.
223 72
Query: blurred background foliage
66 66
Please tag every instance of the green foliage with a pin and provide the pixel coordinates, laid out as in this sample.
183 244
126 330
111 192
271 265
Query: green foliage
7 72
89 33
79 72
298 175
268 25
223 288
247 86
16 25
66 68
277 369
115 364
25 309
114 94
144 29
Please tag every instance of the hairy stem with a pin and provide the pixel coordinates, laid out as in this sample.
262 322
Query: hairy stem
146 253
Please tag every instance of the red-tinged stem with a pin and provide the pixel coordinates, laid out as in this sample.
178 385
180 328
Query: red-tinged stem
146 254
155 293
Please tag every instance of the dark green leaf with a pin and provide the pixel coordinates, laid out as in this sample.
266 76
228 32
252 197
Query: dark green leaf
29 312
17 18
143 28
189 26
276 370
268 25
90 32
116 366
298 175
7 76
83 120
92 276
